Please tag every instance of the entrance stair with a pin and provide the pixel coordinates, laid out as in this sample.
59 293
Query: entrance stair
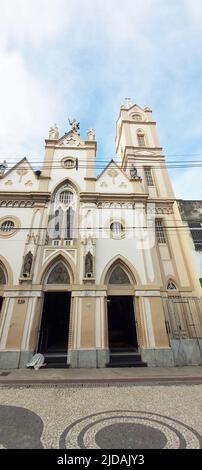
125 357
56 360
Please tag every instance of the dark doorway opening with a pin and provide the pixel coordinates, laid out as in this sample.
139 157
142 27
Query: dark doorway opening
55 323
121 323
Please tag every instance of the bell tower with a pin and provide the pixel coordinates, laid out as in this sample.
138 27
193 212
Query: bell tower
137 145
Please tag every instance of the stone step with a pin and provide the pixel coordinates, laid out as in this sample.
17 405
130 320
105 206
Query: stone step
126 364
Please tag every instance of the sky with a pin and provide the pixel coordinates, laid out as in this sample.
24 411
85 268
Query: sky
62 59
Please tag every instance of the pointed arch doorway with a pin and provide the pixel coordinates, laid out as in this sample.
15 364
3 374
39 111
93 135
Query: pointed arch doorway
54 330
122 334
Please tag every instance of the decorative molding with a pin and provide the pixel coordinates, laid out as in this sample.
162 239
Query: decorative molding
160 210
16 203
115 205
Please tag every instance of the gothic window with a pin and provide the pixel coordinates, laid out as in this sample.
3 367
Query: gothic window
66 197
69 224
59 275
149 177
141 139
160 233
62 218
2 277
171 286
118 276
7 226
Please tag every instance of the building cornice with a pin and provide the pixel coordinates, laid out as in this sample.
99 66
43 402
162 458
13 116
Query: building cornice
23 199
118 197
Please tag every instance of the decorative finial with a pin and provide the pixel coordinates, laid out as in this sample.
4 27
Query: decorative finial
53 133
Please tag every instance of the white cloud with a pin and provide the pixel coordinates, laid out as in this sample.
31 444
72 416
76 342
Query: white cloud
62 58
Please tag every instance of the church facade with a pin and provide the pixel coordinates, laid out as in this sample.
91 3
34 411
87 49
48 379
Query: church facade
97 271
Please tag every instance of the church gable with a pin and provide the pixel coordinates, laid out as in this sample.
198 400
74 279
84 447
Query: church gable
113 179
70 139
19 178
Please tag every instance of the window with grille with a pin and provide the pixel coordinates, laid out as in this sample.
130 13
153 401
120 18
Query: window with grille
137 117
116 228
149 177
66 197
160 232
7 226
141 140
69 163
196 233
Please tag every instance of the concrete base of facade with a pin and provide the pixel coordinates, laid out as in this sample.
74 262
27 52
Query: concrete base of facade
187 352
162 357
89 358
14 359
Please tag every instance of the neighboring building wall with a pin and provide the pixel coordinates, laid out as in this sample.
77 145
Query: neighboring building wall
191 213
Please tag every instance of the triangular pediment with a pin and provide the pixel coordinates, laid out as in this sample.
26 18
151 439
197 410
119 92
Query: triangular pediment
20 177
113 178
70 139
23 166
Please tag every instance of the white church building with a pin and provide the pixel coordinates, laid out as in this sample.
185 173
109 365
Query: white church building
96 271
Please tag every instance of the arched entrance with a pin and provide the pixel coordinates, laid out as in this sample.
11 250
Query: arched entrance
53 338
122 332
121 316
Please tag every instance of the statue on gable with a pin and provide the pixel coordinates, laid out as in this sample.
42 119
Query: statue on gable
53 133
74 125
3 167
27 264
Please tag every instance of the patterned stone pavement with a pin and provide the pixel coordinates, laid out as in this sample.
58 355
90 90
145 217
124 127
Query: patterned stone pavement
115 417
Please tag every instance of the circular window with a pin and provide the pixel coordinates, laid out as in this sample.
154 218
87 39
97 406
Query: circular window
68 162
117 229
8 226
66 197
137 117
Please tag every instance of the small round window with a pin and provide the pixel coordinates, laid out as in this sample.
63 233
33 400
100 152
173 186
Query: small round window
7 226
137 117
68 163
116 229
66 197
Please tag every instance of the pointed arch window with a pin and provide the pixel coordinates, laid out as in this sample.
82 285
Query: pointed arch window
141 139
66 197
59 275
171 285
119 276
2 277
63 215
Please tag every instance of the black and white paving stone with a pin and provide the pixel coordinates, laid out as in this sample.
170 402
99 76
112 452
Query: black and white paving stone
125 417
